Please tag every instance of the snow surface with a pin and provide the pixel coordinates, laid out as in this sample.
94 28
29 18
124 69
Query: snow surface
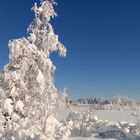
117 115
92 138
110 115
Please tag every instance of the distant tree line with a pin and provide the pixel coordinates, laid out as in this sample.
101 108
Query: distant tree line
93 101
117 102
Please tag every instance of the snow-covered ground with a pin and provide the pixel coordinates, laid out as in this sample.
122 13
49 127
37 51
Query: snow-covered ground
110 115
81 138
117 115
124 121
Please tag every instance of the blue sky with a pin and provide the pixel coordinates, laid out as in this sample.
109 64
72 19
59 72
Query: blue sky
102 38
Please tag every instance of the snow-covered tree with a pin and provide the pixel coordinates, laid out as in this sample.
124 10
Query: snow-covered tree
27 81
